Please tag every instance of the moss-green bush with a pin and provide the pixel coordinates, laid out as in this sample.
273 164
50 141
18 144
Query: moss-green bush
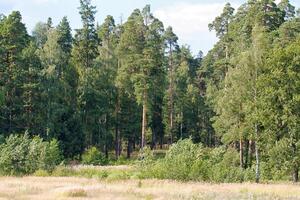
92 156
20 155
41 173
188 161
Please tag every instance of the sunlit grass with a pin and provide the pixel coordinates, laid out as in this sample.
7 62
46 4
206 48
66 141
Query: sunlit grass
50 188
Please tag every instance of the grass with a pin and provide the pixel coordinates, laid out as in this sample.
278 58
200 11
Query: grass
121 172
50 188
76 192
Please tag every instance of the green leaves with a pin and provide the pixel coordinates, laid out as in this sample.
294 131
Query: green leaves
21 155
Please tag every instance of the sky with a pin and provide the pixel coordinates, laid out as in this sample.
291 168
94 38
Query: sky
189 18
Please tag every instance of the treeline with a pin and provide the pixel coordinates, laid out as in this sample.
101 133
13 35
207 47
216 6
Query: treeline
252 85
113 86
123 86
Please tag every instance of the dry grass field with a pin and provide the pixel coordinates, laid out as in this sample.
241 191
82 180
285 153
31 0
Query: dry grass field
46 188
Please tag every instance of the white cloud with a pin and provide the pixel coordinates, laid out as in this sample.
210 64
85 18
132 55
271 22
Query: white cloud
28 2
188 18
190 22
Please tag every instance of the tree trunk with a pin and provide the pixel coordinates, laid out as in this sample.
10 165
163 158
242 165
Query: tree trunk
144 121
181 126
128 148
295 167
117 131
171 90
161 142
153 144
246 162
257 171
241 154
250 153
106 150
295 174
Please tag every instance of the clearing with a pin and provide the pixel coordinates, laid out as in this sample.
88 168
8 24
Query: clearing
46 188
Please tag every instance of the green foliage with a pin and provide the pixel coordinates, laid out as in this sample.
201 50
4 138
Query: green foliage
188 161
94 172
22 155
41 173
95 89
92 156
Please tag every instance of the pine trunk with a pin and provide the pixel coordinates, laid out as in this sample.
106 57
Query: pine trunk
250 157
128 148
117 131
295 174
257 171
144 121
241 154
171 90
295 167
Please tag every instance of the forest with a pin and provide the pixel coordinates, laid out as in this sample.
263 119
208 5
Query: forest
109 93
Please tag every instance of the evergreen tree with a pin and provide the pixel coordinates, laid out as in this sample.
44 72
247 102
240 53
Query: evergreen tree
84 54
131 77
171 45
86 40
65 36
13 40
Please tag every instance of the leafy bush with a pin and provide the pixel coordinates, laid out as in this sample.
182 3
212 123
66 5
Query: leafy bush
93 156
225 166
20 155
188 161
41 173
62 171
76 192
93 172
177 163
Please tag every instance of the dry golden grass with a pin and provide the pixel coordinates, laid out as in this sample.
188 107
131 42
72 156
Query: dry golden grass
50 188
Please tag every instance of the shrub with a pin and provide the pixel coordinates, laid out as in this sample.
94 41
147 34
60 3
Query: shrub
50 156
145 157
41 173
177 164
76 192
92 156
188 161
20 155
225 165
62 171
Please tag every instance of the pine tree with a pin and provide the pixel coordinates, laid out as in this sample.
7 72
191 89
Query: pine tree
108 66
84 53
86 40
171 45
65 36
13 40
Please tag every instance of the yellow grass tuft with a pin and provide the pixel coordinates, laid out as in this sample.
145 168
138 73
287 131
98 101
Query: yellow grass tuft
65 188
76 192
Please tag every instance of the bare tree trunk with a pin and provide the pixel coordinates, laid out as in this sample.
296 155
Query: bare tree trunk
153 145
257 157
241 154
181 126
295 174
226 52
144 121
246 158
295 167
117 131
171 90
128 148
257 171
250 152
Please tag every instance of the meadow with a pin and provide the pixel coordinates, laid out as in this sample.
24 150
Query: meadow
48 188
